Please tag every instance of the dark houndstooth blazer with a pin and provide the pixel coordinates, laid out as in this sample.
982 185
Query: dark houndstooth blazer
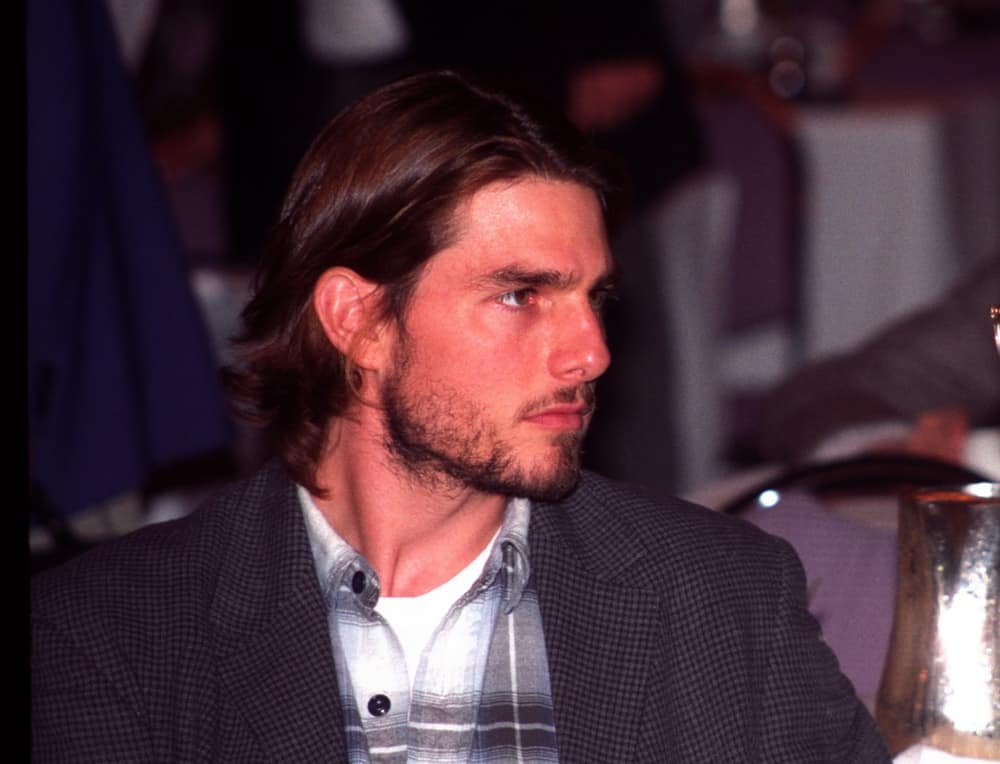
674 635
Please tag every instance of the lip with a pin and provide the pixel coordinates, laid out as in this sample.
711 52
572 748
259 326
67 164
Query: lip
570 416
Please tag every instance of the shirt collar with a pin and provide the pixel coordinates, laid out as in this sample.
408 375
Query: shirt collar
337 562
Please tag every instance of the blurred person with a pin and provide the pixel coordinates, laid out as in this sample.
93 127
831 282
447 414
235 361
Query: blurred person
613 73
917 385
425 573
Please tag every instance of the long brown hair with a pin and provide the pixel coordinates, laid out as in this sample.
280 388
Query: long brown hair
376 193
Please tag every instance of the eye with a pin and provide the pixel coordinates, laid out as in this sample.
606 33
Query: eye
600 297
519 298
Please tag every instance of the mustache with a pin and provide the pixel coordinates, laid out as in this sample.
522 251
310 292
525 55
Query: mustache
584 394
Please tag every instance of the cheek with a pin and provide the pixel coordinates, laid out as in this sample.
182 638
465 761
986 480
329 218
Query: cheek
482 364
492 373
479 349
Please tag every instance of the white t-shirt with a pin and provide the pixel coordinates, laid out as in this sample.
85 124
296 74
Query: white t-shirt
414 619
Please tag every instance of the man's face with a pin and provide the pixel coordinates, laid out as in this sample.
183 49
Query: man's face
492 386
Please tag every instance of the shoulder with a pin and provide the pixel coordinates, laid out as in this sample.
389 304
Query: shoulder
605 519
726 605
145 635
152 578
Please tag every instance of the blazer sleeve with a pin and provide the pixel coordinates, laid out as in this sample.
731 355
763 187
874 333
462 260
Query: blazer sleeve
80 710
811 712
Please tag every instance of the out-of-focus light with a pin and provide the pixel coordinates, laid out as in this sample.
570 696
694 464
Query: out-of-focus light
768 498
738 17
983 490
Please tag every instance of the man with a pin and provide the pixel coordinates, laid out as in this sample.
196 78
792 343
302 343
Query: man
916 385
425 575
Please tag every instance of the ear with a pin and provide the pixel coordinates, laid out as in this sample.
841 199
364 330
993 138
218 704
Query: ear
345 304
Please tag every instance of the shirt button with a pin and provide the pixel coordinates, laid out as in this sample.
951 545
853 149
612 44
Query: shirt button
379 705
358 582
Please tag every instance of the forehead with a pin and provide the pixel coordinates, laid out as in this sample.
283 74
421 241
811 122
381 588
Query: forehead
530 223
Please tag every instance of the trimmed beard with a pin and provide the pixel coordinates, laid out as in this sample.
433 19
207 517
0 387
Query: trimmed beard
444 442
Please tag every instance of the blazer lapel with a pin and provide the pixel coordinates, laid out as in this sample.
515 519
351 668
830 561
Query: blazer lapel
273 649
284 683
600 635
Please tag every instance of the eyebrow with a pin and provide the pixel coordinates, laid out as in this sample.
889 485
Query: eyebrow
516 276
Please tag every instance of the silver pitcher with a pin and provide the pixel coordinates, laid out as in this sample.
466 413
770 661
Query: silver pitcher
941 682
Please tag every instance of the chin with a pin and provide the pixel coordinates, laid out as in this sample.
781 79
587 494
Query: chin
555 488
548 488
550 481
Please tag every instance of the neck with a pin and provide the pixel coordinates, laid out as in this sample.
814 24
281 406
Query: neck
416 534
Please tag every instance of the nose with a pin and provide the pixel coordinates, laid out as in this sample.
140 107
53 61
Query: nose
579 351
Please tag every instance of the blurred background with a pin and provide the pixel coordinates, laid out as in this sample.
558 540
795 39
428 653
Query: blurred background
809 251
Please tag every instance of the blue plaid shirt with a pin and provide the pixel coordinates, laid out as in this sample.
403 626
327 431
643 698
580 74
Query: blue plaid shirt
482 688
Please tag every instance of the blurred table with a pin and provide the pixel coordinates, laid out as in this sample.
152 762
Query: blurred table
899 199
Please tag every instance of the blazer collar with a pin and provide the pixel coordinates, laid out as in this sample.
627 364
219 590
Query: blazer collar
601 628
276 665
273 647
